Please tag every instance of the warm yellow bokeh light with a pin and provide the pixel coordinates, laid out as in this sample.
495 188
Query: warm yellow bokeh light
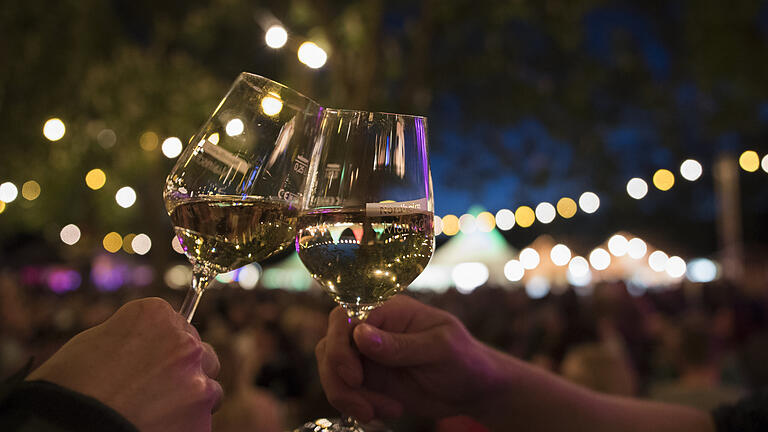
149 141
127 242
525 216
271 105
312 55
749 161
485 222
567 207
663 179
2 206
112 242
450 225
30 190
54 129
95 179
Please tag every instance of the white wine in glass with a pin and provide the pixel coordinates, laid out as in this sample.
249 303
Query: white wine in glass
366 226
234 194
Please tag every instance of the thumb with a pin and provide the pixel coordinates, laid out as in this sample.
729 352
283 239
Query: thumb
397 349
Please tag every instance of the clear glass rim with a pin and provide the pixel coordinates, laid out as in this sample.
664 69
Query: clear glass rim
246 76
343 111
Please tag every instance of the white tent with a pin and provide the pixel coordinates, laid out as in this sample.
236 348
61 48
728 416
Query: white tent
467 261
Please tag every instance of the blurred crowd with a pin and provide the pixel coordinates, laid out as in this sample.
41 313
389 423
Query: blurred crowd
699 345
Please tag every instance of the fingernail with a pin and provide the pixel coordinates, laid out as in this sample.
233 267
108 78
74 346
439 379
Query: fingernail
372 335
348 375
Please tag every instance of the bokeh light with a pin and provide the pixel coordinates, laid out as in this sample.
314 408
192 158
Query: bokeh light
438 225
248 277
312 55
271 105
505 219
178 276
524 216
636 248
663 179
171 147
30 190
600 259
469 275
764 163
112 242
54 129
127 243
566 207
690 170
514 270
276 37
176 245
95 179
8 192
560 255
637 188
2 206
70 234
149 141
467 223
545 212
749 161
236 126
589 202
141 244
107 138
450 225
485 222
702 270
125 196
675 267
657 261
529 258
618 245
578 266
537 287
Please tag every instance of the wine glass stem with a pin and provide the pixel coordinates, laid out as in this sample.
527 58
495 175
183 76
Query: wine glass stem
200 279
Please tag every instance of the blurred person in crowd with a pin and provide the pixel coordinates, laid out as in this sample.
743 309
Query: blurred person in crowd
421 359
247 408
699 384
598 367
145 368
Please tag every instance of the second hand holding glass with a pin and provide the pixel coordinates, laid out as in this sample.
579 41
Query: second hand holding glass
365 230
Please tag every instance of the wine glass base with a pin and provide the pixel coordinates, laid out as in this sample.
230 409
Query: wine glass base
335 425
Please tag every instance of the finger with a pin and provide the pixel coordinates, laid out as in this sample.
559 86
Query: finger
189 328
385 406
343 397
216 394
340 354
400 349
210 361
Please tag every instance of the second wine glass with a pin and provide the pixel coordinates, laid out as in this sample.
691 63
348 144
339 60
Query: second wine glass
365 230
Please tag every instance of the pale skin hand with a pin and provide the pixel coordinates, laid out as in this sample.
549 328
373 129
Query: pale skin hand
147 363
417 358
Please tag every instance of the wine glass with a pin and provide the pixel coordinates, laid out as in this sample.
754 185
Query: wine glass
234 193
365 230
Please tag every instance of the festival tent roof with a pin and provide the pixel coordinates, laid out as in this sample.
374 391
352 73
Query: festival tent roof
487 248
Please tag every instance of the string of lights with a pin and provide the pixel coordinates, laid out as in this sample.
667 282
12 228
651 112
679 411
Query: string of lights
588 202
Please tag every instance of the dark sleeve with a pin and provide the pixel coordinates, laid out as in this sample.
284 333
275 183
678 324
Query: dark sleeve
747 415
42 406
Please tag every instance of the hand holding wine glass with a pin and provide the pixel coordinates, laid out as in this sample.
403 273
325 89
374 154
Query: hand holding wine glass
233 195
365 231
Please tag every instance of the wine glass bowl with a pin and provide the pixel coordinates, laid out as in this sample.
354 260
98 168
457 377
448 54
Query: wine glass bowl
234 193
